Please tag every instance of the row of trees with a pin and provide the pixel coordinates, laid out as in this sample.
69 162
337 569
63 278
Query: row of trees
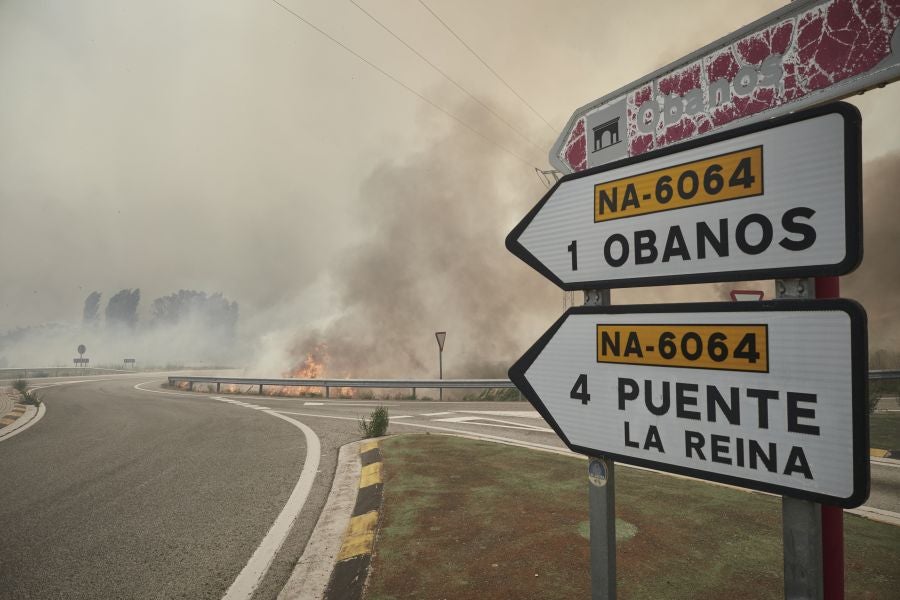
209 310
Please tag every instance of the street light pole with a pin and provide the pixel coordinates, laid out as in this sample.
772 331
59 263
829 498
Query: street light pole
440 336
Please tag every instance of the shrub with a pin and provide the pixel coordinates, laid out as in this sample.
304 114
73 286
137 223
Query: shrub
377 424
21 386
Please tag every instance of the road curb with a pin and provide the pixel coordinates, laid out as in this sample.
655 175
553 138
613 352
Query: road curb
19 418
352 568
879 453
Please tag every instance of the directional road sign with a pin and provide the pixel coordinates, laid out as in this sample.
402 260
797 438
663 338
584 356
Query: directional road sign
808 52
764 395
776 199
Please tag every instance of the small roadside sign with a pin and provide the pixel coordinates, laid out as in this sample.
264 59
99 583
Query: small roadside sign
770 200
768 396
81 361
806 53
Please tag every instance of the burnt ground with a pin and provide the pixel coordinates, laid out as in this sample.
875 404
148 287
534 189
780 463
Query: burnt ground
470 519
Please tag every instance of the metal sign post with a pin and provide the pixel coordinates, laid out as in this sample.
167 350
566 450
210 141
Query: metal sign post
602 504
440 336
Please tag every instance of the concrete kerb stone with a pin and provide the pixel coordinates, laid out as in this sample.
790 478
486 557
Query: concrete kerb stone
336 559
13 414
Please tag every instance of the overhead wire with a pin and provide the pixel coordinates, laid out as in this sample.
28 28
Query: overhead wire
489 68
403 85
443 74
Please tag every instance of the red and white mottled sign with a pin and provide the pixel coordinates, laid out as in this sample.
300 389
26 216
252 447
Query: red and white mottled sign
806 53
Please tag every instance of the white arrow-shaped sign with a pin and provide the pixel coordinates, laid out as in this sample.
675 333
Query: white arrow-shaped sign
780 199
764 395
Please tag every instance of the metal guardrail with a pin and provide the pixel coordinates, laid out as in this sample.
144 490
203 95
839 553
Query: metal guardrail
327 384
413 384
883 374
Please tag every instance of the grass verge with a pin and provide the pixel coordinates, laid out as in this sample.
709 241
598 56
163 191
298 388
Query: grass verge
884 431
470 519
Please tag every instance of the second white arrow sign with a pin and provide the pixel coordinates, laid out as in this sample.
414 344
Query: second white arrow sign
773 200
764 395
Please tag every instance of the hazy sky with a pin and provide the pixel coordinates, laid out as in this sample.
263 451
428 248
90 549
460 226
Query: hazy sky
227 146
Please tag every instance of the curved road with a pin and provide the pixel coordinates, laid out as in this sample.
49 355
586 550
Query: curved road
132 491
121 493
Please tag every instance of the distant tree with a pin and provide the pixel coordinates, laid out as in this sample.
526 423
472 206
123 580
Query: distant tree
121 310
92 308
214 311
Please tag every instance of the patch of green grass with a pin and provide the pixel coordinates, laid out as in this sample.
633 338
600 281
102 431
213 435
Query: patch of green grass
884 431
472 519
624 530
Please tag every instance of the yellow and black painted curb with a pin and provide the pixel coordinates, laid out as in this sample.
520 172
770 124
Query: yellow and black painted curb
12 416
879 453
353 560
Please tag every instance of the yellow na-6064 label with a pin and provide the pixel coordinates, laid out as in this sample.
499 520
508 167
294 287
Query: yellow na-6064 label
723 347
728 176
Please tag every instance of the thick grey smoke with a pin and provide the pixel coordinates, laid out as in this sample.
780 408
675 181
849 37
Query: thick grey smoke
187 328
435 260
876 283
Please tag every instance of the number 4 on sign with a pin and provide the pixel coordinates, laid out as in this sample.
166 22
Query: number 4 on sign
579 390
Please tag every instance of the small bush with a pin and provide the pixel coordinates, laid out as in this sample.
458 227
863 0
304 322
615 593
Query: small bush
877 389
377 425
21 386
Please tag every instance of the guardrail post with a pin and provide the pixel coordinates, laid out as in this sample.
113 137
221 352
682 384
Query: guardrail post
190 386
218 386
327 392
414 393
260 389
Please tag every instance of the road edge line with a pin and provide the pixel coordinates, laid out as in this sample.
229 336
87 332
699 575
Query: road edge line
245 584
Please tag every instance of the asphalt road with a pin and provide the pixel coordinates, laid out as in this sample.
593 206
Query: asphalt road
121 492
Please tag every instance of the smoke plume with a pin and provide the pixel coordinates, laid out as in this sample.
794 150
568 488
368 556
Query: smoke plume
876 283
435 260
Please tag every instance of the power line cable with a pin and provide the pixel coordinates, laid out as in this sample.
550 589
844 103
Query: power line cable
450 79
404 86
489 68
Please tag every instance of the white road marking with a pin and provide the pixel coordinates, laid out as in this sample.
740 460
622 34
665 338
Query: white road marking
523 414
885 462
437 414
143 389
313 404
402 417
255 569
495 423
253 572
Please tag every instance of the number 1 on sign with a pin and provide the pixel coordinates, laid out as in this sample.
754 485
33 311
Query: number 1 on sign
573 250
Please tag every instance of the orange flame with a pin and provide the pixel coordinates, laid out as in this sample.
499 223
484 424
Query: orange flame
313 366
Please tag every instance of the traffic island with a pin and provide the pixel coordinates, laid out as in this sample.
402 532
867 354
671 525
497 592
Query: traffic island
472 519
